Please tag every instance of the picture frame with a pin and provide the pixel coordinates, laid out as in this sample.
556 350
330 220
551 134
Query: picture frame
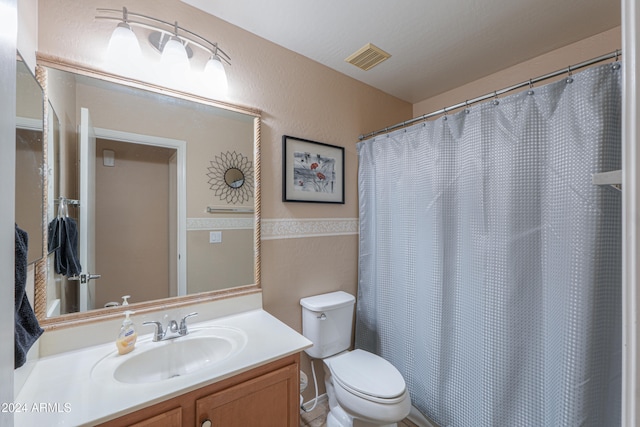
312 171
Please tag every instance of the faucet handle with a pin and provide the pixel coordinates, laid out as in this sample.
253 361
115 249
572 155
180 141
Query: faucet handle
183 323
158 334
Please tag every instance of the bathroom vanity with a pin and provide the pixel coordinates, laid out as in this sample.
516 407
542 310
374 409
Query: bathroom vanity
268 395
253 379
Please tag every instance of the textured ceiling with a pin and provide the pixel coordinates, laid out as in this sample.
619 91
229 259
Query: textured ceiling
436 45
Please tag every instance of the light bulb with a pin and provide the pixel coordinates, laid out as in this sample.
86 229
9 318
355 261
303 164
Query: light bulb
123 52
215 76
175 61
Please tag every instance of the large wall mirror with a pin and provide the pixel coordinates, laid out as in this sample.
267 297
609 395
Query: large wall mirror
158 189
29 159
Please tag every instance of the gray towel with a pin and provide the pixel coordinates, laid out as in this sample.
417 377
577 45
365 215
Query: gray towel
27 329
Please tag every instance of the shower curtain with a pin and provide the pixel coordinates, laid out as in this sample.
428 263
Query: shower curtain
489 266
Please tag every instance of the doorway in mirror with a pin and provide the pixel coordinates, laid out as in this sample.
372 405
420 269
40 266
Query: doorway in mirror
136 222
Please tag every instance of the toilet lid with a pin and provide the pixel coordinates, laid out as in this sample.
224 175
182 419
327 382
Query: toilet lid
368 374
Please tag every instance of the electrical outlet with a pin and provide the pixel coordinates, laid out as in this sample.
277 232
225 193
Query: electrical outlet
215 237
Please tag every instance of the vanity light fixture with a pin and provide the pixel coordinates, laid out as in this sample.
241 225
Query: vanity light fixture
123 44
174 59
214 74
171 40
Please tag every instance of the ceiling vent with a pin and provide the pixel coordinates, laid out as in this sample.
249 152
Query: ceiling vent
368 57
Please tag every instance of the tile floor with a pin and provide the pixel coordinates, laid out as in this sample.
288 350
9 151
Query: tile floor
318 417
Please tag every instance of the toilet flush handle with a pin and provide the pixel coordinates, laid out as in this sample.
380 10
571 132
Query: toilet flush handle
322 317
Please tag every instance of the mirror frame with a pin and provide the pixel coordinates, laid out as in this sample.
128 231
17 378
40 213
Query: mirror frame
101 314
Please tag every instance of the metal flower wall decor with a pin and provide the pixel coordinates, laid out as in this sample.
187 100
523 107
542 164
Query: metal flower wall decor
231 177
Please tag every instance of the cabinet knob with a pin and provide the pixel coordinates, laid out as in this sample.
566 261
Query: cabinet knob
206 423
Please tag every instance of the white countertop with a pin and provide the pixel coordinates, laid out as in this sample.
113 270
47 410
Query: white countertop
60 390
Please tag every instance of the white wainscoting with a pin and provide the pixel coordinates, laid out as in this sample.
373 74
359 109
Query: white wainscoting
285 228
194 224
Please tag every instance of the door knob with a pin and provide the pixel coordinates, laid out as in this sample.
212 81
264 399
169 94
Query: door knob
206 423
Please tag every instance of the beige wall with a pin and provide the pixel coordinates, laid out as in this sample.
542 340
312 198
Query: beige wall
558 59
208 264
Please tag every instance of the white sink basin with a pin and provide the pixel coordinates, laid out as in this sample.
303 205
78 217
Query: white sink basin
160 361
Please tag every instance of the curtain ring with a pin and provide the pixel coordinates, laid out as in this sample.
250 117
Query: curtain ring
495 98
445 113
530 92
466 106
569 79
616 64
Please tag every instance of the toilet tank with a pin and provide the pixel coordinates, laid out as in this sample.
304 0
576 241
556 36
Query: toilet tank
327 321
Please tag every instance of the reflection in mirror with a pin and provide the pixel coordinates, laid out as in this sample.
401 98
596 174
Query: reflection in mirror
231 177
29 159
143 201
234 178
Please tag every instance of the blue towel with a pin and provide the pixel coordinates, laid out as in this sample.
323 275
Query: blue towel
63 242
27 329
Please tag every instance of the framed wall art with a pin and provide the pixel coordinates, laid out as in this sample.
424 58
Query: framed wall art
312 171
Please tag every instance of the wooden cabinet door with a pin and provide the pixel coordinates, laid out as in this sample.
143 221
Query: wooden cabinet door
265 401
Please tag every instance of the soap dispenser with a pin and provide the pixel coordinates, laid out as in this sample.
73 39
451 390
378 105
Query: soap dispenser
127 337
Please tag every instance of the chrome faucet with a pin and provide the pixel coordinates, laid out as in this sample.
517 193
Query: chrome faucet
173 329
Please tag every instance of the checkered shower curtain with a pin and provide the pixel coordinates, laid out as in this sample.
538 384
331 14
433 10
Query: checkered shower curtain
489 267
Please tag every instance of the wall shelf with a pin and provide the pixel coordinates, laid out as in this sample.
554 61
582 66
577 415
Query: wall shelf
612 178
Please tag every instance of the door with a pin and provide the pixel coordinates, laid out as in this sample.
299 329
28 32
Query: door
140 161
86 226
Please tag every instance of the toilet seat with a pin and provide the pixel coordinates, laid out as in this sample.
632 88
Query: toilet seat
368 376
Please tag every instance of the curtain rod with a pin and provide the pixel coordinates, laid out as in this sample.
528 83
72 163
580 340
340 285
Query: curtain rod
616 54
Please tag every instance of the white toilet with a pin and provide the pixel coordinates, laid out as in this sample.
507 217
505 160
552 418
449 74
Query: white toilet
363 388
